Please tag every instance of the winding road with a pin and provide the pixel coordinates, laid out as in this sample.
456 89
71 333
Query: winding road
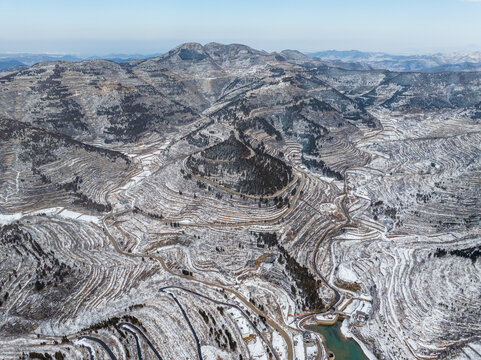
270 322
228 305
98 341
197 341
126 325
137 343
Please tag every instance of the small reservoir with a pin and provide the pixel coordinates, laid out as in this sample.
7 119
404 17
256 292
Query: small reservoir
342 347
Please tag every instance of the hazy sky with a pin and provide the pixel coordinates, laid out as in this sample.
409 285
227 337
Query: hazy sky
148 26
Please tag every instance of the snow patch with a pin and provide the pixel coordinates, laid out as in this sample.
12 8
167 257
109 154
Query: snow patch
346 274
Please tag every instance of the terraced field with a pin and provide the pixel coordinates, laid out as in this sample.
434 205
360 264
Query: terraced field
218 201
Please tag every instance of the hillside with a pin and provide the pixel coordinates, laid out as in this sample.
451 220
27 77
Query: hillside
216 201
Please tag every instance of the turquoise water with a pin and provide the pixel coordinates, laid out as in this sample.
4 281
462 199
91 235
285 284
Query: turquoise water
343 348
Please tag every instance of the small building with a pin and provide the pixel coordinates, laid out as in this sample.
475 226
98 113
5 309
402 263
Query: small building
308 338
360 318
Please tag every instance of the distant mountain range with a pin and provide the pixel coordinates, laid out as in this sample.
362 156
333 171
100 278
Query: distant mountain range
416 63
350 60
13 64
25 59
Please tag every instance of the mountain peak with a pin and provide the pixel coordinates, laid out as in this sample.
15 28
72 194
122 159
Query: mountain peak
189 46
231 48
294 55
188 51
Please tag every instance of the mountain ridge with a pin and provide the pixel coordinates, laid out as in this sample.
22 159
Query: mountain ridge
348 59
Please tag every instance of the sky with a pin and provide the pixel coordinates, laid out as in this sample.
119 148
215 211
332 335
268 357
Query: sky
100 27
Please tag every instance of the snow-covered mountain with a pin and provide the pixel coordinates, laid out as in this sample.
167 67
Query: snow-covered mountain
419 63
